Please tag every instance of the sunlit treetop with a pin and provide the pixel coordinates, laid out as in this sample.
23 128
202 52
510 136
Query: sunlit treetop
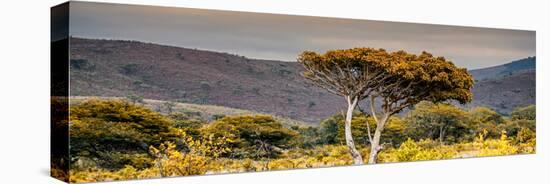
401 79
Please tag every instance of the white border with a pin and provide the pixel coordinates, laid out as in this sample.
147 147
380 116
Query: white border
24 78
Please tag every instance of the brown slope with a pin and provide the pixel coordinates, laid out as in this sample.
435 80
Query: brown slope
120 68
514 67
506 93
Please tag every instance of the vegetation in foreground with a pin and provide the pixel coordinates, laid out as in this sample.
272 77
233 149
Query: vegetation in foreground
119 140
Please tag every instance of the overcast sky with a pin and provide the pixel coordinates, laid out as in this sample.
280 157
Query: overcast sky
283 37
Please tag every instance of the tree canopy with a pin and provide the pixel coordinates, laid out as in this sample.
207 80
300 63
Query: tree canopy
252 136
444 122
401 78
99 129
524 113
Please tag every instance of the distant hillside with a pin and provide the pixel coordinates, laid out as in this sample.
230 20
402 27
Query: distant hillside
507 86
514 67
120 68
506 93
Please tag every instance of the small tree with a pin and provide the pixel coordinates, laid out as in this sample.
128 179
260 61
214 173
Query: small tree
436 121
102 129
258 136
522 119
393 80
328 130
485 119
524 113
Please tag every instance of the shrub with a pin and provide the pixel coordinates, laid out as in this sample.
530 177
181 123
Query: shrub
514 127
99 129
253 136
443 122
525 135
484 119
524 113
498 147
173 162
309 136
415 151
188 122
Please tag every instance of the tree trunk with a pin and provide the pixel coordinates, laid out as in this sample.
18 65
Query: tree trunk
357 158
442 134
375 144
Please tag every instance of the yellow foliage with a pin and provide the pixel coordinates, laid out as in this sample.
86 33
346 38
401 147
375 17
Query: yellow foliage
172 162
415 151
497 147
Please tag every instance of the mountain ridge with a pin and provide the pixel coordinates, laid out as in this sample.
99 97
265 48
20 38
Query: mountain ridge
514 67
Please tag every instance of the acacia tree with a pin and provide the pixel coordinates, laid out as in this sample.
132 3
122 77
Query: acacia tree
258 136
436 121
344 73
391 81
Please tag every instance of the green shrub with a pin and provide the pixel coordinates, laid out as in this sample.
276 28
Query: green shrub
99 129
253 136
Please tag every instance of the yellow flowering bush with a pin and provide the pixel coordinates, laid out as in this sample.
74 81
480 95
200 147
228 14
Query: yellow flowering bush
499 147
173 162
414 151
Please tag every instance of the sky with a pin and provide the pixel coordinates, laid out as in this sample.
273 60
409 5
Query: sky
283 37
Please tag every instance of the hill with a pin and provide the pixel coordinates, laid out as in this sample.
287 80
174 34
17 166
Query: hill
120 68
507 86
114 68
507 92
514 67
